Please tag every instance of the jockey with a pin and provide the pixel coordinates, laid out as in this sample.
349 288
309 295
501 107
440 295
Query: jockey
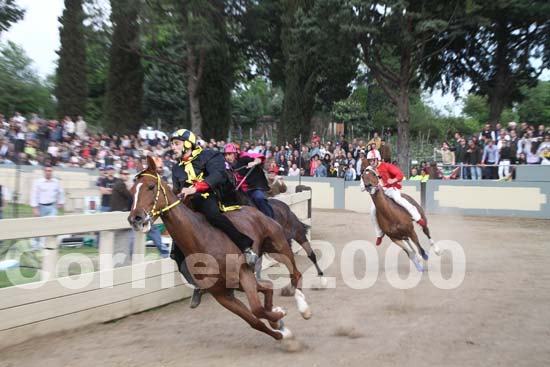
391 176
202 172
255 183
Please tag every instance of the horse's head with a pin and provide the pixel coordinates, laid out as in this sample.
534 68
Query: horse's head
369 177
149 197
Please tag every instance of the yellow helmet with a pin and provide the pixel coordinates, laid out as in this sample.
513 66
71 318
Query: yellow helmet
189 139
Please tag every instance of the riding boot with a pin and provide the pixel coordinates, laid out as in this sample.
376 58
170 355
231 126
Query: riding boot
196 299
179 258
422 222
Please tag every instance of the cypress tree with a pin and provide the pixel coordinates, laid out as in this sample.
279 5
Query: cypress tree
71 85
125 79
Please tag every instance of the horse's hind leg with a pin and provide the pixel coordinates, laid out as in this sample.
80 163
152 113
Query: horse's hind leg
411 253
301 238
414 238
426 231
237 307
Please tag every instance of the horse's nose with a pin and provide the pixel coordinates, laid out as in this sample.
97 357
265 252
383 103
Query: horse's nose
135 219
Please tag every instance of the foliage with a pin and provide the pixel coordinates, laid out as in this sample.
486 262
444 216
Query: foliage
71 88
10 13
254 100
535 108
21 89
97 32
320 62
125 79
501 44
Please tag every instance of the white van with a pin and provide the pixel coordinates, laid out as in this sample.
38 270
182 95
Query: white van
149 133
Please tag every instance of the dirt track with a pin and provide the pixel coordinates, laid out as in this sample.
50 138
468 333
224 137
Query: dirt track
500 315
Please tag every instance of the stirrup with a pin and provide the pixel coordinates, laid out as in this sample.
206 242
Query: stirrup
250 256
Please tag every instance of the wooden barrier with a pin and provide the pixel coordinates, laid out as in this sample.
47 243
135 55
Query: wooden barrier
56 304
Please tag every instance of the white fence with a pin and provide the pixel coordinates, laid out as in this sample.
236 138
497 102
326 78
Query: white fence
56 304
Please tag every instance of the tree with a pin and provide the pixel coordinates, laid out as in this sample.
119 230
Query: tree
21 89
535 108
502 43
97 32
320 62
71 85
10 13
393 36
125 79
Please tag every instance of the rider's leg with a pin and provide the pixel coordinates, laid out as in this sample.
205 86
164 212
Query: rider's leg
209 207
179 258
395 194
260 200
377 229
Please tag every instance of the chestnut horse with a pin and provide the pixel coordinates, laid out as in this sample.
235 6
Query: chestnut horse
293 228
394 220
223 262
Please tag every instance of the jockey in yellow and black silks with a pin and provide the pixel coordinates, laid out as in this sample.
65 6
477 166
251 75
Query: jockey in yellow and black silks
201 173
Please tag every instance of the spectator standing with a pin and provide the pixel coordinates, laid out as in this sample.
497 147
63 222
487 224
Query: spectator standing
505 157
350 175
81 127
47 195
460 157
414 175
120 201
315 138
490 158
385 151
473 159
106 188
359 163
376 140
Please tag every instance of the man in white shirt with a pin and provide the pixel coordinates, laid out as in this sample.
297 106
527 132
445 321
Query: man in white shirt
81 127
47 194
69 127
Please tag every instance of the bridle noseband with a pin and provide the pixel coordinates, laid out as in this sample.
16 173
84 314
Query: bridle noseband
375 172
154 211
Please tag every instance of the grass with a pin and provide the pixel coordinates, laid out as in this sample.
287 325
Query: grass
23 211
32 261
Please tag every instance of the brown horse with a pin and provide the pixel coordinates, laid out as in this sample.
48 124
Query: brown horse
394 220
292 226
222 261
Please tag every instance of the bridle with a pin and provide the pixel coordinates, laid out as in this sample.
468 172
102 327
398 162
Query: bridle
154 211
370 186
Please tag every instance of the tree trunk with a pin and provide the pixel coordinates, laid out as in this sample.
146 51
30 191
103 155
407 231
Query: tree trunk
193 82
496 106
403 154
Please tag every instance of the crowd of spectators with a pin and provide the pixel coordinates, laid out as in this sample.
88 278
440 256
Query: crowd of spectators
493 153
66 143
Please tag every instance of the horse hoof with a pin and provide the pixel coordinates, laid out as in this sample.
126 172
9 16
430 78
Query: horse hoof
287 291
286 333
279 309
419 266
301 302
322 283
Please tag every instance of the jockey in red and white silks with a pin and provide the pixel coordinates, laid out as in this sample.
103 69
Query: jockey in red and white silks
390 178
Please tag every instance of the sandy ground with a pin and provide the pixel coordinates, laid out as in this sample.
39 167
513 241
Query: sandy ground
499 316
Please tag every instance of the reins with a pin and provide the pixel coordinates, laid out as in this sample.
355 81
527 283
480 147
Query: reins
160 187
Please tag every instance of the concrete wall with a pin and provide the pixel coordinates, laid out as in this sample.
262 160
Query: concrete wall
485 197
71 179
494 198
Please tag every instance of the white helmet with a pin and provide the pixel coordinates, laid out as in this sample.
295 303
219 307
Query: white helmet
373 154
